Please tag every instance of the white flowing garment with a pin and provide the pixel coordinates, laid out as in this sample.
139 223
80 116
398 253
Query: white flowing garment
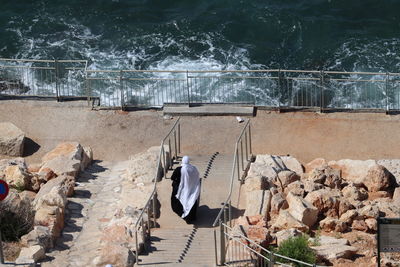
189 187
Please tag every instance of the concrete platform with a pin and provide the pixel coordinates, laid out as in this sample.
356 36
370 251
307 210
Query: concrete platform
209 110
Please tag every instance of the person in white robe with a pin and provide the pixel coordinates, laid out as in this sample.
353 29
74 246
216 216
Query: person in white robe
189 190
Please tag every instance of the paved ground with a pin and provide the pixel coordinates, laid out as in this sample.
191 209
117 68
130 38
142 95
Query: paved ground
116 135
95 199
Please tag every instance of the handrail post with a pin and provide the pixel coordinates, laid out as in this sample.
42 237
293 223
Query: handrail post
271 259
57 81
222 243
137 247
121 90
179 138
215 247
230 213
279 87
321 94
187 87
155 209
387 92
251 151
238 164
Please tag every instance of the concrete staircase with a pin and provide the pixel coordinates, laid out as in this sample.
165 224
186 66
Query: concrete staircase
176 243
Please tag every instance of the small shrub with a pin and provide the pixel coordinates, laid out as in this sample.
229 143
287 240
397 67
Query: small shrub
297 248
15 223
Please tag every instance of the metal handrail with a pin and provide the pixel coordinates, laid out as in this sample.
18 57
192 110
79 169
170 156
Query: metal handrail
274 88
235 168
162 163
260 251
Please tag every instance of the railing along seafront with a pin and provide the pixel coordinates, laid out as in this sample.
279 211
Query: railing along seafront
172 141
235 249
273 88
43 78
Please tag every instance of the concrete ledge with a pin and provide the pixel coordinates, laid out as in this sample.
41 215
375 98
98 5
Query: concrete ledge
209 110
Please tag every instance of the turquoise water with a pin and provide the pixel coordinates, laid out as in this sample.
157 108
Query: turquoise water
203 34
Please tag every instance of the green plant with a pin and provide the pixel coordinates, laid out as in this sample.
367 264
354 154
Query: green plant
19 187
297 248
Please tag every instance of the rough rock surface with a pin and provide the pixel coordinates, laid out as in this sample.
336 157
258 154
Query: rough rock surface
302 210
140 164
287 177
17 177
326 176
30 255
11 140
316 163
331 248
258 202
256 183
278 202
271 165
285 221
367 172
40 235
326 201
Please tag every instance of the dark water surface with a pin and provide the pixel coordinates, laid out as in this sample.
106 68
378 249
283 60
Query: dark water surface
356 35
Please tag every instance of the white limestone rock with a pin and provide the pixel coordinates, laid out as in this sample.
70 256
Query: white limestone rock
11 140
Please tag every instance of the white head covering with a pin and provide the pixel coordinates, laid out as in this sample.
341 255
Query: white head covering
189 187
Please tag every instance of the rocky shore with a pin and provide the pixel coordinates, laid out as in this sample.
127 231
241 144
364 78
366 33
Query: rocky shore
335 202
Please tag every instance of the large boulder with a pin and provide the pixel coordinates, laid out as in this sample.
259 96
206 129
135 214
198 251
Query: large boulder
349 216
278 202
302 210
256 183
87 157
31 255
55 192
286 221
327 176
367 172
354 193
331 248
287 177
392 165
271 165
17 177
258 234
4 163
258 202
67 159
68 150
296 188
316 163
62 166
326 201
40 235
11 140
51 217
331 224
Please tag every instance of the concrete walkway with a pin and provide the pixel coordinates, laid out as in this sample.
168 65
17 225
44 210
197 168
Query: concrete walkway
95 200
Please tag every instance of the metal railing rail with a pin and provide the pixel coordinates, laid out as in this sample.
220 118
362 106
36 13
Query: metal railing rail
242 250
148 216
241 160
275 88
42 78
